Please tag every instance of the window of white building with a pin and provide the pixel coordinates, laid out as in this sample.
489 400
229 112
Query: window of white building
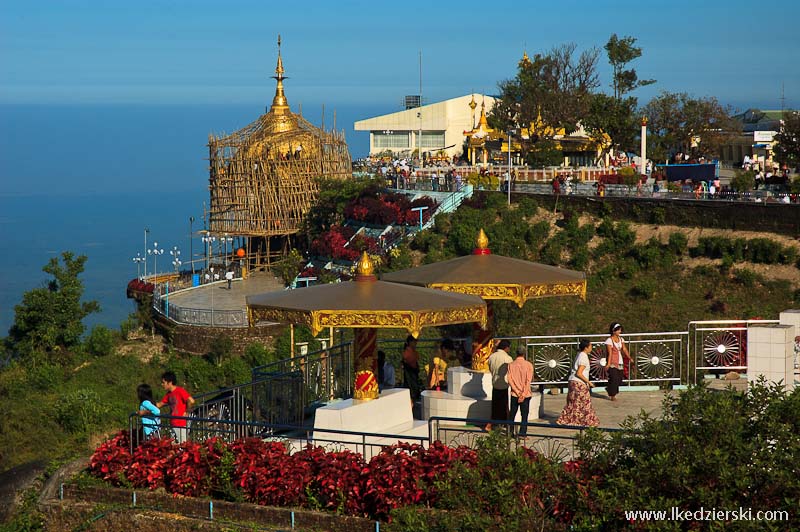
390 139
433 139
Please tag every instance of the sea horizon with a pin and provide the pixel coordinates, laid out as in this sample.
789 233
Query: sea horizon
89 178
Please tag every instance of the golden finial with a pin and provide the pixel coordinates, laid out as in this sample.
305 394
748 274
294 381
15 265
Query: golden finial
644 121
483 240
279 103
472 104
364 267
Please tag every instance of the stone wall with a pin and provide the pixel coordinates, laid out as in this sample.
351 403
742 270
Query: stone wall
113 509
741 216
197 339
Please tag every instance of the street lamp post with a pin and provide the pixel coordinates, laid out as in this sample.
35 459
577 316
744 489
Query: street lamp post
191 244
176 254
227 240
208 239
211 269
138 259
155 252
146 230
508 183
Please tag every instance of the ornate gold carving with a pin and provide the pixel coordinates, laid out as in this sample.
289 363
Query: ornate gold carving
480 356
411 321
515 292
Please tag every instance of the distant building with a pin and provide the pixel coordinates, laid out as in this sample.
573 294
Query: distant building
441 124
756 139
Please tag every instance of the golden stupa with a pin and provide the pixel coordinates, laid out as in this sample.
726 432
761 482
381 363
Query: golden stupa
263 178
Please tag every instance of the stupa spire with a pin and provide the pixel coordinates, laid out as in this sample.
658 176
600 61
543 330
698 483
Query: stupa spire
279 104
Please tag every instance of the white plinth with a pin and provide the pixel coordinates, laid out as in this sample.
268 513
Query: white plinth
770 352
469 395
469 383
390 414
443 404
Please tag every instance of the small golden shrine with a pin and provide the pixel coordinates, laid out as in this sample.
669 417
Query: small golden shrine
480 135
366 305
262 178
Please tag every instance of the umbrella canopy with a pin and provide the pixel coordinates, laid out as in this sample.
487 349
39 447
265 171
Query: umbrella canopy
494 277
366 303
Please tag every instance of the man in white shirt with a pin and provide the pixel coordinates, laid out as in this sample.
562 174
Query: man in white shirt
498 367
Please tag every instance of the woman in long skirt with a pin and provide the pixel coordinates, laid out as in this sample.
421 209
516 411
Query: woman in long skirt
579 409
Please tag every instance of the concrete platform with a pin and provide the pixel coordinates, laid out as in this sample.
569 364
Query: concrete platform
201 297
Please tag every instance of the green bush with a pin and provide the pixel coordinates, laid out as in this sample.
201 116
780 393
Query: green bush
220 349
527 207
644 289
537 233
580 259
764 250
708 449
658 216
101 341
128 326
257 354
45 376
746 277
743 181
678 243
80 411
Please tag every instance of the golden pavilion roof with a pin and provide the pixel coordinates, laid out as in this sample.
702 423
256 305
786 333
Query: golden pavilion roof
494 276
366 303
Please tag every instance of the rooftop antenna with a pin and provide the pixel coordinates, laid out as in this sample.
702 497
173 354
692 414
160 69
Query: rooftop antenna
783 97
419 113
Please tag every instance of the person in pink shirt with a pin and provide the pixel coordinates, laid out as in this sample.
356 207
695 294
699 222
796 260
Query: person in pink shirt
520 375
179 401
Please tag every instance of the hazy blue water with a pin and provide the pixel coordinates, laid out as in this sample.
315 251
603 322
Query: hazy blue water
90 178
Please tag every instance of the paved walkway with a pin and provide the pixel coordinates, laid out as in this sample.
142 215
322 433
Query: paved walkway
218 297
557 442
610 413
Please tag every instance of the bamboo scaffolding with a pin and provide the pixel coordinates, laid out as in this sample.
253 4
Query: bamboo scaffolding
263 178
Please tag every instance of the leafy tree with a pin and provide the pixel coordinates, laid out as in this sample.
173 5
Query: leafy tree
101 341
622 51
680 123
334 194
743 181
555 86
615 118
787 147
50 317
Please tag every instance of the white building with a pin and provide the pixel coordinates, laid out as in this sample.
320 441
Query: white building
442 125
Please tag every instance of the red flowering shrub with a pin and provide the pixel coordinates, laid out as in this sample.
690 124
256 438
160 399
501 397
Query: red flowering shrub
256 463
149 463
391 480
437 460
111 458
189 471
338 482
331 243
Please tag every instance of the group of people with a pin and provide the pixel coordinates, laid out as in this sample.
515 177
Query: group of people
176 398
435 371
511 381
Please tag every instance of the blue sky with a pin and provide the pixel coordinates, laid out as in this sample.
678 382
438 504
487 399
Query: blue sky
345 52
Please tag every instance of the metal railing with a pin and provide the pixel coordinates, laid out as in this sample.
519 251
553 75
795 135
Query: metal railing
552 441
654 357
294 437
317 377
719 346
